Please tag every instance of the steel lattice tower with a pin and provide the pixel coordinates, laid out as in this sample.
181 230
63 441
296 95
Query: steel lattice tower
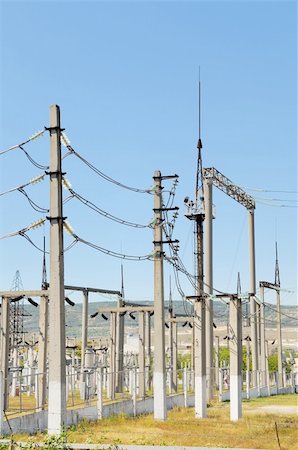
16 325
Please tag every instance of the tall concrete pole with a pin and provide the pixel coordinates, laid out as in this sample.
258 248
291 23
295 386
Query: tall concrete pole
252 291
170 337
119 346
5 312
175 355
159 374
42 352
263 364
209 286
217 361
112 376
57 372
279 340
148 346
199 329
84 333
235 359
141 358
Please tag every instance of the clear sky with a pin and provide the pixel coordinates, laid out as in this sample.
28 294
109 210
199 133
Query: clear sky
125 75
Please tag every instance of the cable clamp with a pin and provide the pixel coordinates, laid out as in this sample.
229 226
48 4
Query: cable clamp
54 128
56 172
55 218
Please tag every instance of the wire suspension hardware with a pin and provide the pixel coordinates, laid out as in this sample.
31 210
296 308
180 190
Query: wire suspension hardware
34 136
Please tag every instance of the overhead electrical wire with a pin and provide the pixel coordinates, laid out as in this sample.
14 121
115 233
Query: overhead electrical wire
100 211
65 141
112 253
283 314
106 251
33 181
34 205
29 157
17 146
269 190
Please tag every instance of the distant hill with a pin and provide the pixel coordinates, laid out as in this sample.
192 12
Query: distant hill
100 327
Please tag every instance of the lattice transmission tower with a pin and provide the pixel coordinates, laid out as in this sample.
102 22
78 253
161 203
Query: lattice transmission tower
17 313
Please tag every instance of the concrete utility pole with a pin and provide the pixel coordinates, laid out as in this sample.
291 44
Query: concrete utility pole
148 347
224 184
175 356
263 365
57 372
252 292
159 374
235 358
43 337
217 361
84 341
5 310
199 328
279 340
42 352
112 376
119 346
209 286
141 358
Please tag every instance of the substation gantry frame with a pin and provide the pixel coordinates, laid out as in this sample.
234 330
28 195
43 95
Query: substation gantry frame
211 177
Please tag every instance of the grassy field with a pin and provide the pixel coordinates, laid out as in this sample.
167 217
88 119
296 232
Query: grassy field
254 430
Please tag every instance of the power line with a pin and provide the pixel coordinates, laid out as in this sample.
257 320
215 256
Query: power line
18 146
103 213
283 314
29 157
269 190
66 143
111 252
33 181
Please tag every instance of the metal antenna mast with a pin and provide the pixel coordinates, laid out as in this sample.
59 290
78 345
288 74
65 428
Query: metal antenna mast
277 279
44 281
197 214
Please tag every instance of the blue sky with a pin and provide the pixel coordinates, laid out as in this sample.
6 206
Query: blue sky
125 75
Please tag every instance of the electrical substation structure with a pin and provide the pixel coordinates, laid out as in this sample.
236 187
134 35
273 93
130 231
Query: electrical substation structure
64 389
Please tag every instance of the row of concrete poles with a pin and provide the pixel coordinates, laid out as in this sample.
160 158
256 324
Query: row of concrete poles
54 309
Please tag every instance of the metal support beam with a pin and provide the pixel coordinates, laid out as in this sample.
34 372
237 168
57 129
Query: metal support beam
57 372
